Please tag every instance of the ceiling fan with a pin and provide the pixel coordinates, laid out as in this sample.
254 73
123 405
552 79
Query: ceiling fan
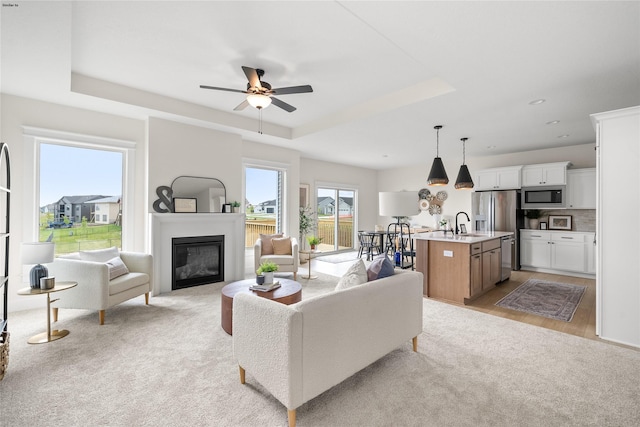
260 94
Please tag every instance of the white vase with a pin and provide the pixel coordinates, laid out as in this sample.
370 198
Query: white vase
533 223
437 217
268 278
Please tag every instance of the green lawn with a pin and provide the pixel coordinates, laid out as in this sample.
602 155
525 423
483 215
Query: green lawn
81 238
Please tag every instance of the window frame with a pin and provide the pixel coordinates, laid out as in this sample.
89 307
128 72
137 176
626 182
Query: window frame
33 137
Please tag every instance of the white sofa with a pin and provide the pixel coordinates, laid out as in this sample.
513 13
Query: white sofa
95 291
299 351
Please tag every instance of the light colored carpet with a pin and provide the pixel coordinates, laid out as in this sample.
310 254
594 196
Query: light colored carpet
171 364
339 257
553 300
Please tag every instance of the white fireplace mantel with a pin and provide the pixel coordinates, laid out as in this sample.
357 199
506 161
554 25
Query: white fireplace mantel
165 226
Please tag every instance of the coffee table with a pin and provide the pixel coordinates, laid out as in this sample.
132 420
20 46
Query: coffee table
289 292
50 335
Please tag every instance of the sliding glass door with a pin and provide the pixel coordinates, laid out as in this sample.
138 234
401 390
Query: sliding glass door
336 212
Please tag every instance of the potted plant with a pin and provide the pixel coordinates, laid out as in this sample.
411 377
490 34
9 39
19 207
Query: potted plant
307 224
236 206
314 241
267 269
534 218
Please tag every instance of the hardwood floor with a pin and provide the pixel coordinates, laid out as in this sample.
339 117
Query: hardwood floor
583 323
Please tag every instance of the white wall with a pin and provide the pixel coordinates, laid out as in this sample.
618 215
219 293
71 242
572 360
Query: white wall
415 178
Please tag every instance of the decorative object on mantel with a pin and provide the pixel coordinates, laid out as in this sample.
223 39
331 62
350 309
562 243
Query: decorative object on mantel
464 180
209 195
236 206
560 222
37 253
437 176
164 202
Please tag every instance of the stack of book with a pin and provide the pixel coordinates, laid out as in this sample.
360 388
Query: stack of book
265 287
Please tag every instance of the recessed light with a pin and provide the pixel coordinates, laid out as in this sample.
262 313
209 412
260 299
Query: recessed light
385 155
537 101
490 147
563 136
553 122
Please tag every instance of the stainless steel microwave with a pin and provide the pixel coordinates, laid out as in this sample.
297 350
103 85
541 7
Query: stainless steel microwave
553 197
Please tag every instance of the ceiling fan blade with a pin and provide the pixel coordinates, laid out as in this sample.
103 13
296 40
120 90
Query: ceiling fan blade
222 88
252 76
292 89
244 104
283 105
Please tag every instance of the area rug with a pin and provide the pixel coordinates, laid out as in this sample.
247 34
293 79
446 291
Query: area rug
339 257
543 298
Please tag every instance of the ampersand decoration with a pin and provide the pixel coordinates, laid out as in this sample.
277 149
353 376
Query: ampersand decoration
165 199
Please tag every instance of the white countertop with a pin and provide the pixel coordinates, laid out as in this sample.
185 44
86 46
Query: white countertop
461 238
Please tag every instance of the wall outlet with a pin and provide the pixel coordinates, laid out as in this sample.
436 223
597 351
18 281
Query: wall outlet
448 254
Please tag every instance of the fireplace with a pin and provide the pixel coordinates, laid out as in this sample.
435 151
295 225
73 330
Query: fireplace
197 261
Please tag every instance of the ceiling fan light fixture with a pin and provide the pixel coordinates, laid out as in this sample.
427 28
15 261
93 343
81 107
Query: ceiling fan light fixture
258 101
464 181
437 175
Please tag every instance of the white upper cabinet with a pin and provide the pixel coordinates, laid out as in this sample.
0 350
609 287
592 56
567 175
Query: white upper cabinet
498 179
545 174
581 188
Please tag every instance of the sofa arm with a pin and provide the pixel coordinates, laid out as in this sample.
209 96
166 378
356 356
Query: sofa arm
138 262
295 251
267 343
92 291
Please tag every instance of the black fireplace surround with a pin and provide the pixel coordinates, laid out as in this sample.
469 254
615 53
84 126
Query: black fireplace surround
197 261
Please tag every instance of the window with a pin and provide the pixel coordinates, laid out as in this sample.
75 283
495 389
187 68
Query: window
264 199
69 165
336 212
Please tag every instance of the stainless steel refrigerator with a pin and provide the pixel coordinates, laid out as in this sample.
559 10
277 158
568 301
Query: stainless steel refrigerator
500 211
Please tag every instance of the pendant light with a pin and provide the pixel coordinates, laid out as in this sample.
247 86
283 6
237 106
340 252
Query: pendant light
437 176
464 180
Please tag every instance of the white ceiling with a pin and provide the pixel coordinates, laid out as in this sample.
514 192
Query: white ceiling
384 73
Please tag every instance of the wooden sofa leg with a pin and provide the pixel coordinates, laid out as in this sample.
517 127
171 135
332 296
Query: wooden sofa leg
292 417
101 316
295 275
242 374
146 298
54 311
415 344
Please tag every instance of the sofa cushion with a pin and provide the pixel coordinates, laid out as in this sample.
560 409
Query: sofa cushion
116 268
278 259
99 255
355 275
127 282
281 245
380 267
267 245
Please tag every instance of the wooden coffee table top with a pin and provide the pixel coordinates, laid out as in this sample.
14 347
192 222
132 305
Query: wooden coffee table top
289 292
287 288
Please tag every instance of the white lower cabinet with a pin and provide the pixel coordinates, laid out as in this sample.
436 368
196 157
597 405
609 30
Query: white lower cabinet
558 250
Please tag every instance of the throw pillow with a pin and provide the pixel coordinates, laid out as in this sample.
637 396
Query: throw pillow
355 275
281 245
267 246
100 255
116 268
380 267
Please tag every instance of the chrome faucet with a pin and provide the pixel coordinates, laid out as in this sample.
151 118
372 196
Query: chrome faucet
465 214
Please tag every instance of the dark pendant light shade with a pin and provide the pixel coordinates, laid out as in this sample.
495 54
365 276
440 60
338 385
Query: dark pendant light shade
464 180
437 176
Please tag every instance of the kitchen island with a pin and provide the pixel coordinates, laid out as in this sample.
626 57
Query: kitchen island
459 268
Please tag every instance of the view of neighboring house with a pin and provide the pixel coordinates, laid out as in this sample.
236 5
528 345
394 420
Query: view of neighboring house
107 210
96 208
327 206
268 207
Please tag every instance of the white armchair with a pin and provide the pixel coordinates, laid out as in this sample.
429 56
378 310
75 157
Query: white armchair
275 250
95 290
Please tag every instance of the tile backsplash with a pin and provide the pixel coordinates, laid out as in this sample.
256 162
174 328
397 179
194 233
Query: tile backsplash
581 219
